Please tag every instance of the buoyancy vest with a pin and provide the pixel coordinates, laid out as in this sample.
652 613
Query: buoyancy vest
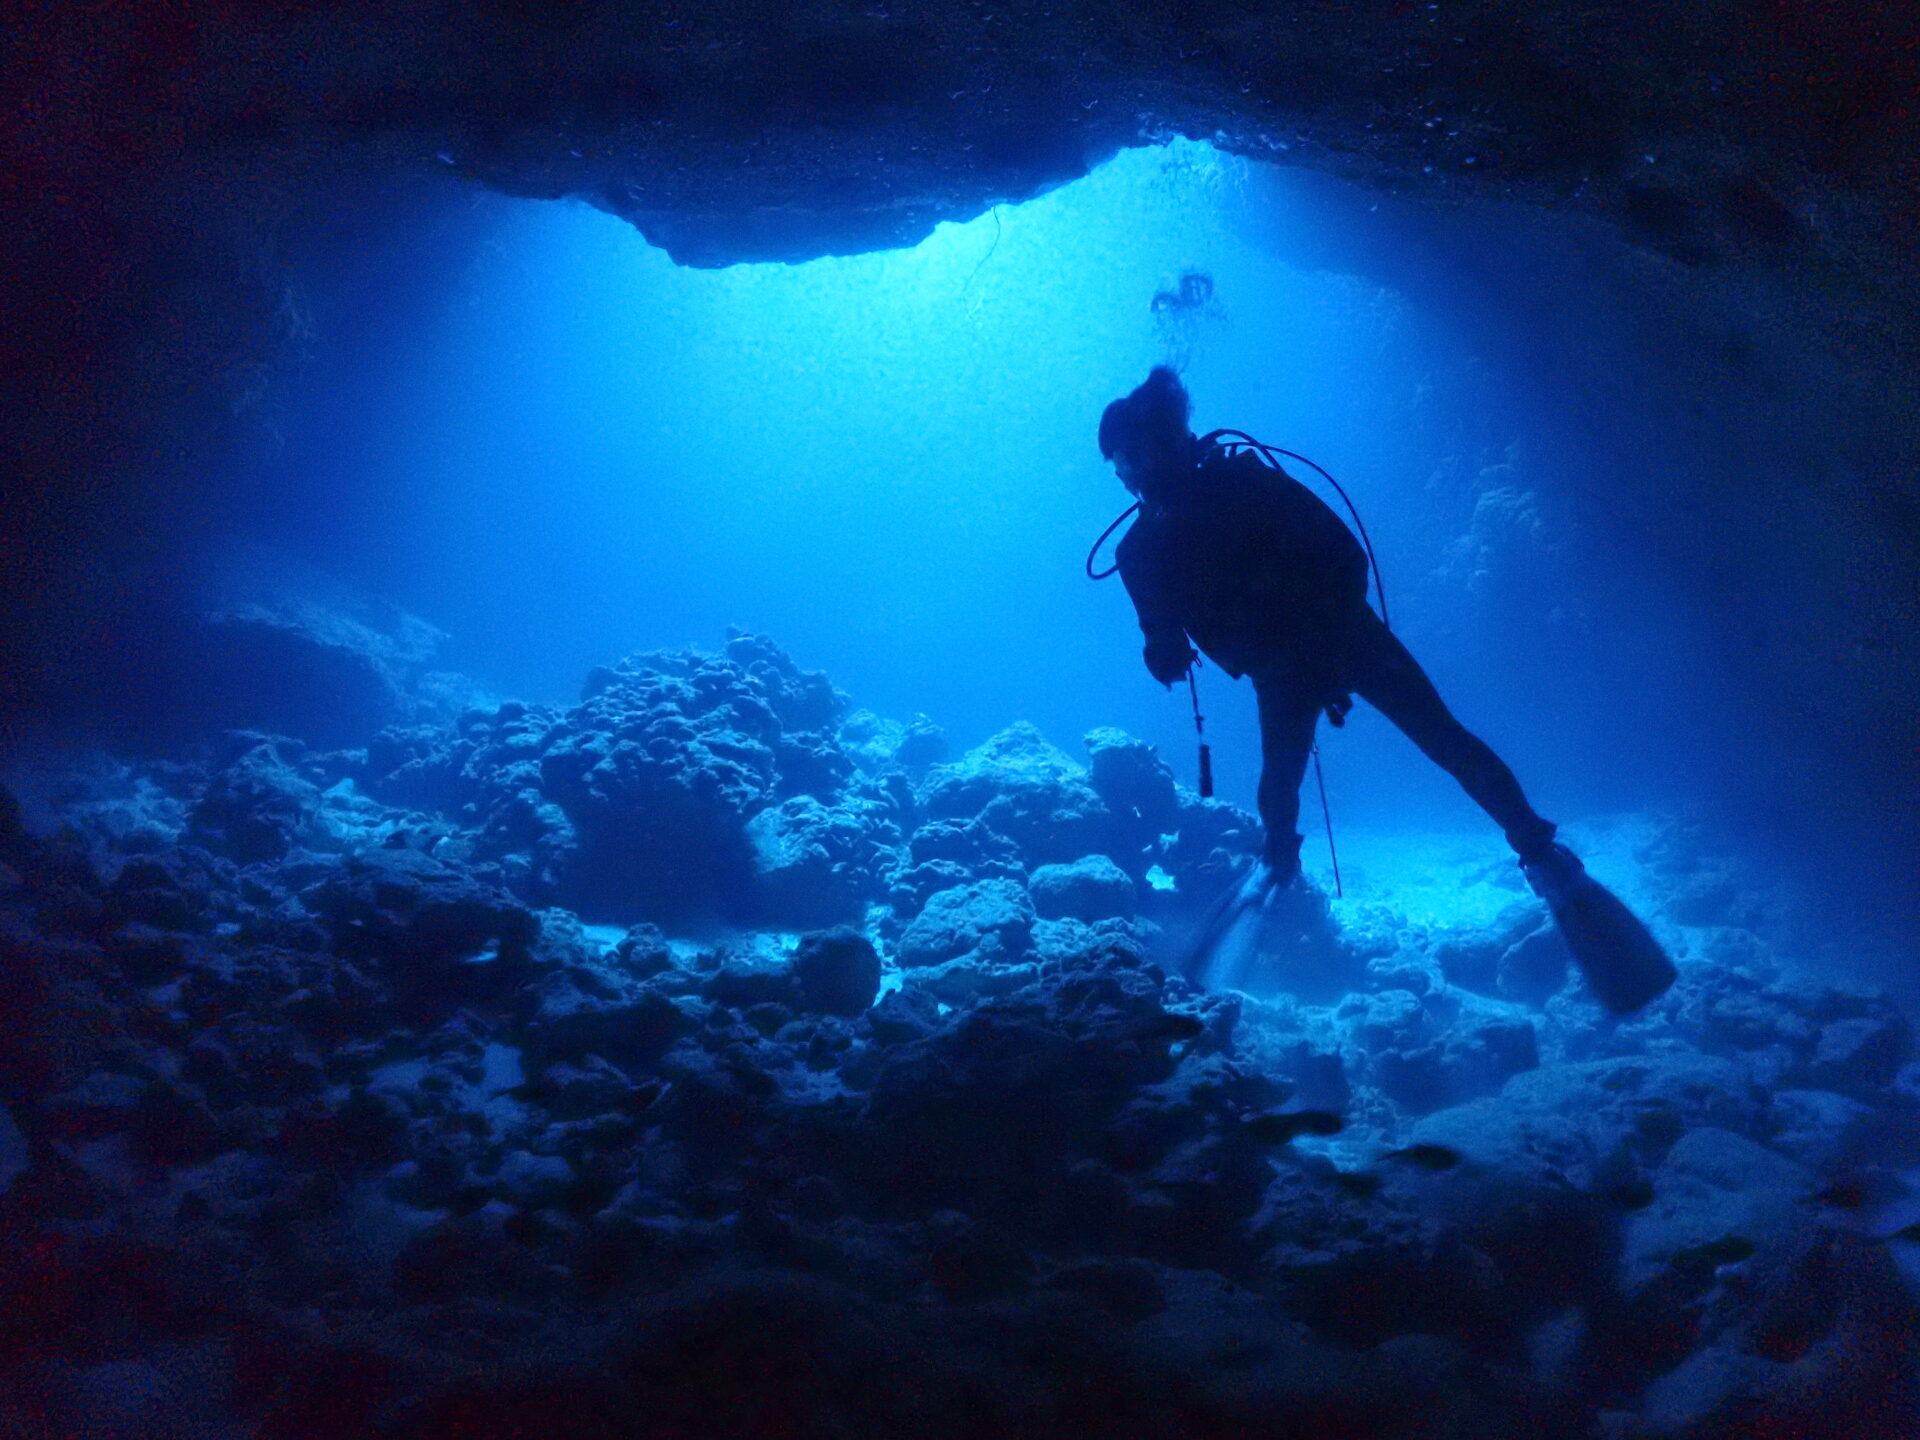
1251 564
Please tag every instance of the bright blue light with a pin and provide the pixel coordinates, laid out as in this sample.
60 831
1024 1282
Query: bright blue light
886 461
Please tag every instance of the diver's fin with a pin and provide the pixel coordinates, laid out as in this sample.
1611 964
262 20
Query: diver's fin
1624 965
1224 938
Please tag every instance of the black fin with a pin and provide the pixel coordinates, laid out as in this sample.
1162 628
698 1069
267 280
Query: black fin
1227 908
1625 967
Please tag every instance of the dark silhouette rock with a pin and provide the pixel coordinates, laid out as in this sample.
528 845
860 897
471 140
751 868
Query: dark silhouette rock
838 971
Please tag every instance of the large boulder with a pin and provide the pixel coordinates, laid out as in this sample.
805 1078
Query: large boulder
1476 957
1718 1198
997 1106
579 1011
970 843
288 653
1138 788
1862 1054
1091 888
884 747
259 806
959 921
636 802
438 934
1584 1120
1024 789
815 864
1469 1061
803 701
1212 842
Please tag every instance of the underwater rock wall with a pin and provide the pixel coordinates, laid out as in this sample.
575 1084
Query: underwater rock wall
737 786
476 1083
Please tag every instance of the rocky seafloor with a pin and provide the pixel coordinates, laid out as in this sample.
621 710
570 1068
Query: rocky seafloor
711 1059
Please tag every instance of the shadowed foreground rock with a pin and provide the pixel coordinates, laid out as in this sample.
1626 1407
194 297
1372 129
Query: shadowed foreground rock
345 1134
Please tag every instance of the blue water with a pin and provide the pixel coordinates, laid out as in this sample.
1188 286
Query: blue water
572 449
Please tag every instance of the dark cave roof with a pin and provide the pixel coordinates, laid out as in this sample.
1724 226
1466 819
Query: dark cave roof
761 130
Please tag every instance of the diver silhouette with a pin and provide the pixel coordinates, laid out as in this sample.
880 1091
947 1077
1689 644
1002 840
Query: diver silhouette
1232 555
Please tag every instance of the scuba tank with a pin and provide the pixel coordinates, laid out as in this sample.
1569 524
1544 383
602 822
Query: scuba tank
1233 442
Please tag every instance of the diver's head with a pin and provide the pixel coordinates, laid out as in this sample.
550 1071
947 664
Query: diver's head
1145 433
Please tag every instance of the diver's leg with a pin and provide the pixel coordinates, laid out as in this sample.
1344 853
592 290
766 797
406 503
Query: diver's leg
1288 714
1385 674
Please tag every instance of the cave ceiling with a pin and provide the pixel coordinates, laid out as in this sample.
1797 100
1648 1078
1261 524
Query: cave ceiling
767 130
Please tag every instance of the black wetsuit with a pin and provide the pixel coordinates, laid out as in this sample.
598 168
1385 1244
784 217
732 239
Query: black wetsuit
1269 582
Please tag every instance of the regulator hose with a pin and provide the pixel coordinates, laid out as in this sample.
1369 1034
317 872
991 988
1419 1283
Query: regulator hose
1119 520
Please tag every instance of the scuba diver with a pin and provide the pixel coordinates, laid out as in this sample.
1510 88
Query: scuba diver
1231 554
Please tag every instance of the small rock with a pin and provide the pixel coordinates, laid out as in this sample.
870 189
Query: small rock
1534 967
838 971
576 1012
1861 1054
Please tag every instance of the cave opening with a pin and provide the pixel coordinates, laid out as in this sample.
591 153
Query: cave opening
572 449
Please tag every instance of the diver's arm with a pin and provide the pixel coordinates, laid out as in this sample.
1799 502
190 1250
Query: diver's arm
1167 651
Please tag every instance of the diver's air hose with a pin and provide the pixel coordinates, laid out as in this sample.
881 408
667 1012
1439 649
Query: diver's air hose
1119 520
1339 890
